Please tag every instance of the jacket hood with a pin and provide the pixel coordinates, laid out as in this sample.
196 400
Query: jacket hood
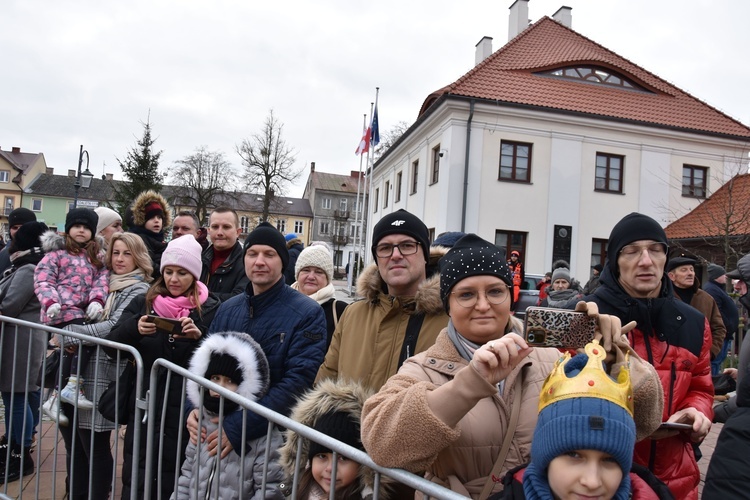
51 241
328 395
250 358
139 208
370 285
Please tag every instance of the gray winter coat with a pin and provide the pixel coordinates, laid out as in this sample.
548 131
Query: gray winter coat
21 346
95 381
203 476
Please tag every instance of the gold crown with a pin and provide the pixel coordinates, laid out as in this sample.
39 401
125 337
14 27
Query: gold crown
592 381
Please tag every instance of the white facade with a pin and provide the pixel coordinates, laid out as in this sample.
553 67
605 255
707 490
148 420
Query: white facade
561 188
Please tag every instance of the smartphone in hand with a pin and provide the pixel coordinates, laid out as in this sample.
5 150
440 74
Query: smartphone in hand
560 328
165 325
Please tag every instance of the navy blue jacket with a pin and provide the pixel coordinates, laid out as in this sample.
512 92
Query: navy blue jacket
291 329
728 309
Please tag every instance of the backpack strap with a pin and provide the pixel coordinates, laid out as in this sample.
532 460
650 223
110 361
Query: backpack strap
410 339
335 314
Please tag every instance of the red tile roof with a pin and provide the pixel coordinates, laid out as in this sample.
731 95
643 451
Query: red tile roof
507 76
725 211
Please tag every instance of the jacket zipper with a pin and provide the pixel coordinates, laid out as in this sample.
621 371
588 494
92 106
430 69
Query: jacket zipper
209 483
672 379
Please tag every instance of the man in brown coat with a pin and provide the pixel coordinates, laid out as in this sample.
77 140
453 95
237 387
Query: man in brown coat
681 271
402 313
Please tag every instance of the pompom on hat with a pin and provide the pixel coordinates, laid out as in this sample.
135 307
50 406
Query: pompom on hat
184 252
315 256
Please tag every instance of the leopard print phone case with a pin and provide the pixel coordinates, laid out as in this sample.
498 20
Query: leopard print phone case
561 328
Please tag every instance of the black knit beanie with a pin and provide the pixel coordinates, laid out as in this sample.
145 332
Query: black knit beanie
27 236
266 234
339 425
402 222
632 227
84 216
20 215
472 256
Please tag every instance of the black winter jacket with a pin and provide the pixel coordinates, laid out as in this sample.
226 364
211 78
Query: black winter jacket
229 279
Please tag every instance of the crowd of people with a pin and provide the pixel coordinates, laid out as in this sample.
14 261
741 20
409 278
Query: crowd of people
430 371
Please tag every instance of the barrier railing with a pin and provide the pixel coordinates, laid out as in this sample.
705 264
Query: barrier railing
45 482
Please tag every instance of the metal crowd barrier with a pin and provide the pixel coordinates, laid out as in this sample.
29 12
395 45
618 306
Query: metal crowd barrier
50 471
426 487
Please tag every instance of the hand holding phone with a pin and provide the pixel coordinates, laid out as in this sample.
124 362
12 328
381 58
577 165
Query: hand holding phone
678 426
165 325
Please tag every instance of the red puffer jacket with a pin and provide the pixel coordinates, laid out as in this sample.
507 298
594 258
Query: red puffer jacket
686 379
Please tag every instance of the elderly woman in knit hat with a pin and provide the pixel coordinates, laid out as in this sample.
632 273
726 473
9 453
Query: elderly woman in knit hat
560 294
465 410
314 272
176 295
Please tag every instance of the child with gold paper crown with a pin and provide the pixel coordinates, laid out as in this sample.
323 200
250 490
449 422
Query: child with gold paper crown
584 437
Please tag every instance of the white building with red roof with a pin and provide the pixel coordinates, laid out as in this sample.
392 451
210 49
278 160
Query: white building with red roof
546 143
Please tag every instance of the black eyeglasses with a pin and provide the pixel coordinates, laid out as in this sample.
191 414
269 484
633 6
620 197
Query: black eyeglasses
405 248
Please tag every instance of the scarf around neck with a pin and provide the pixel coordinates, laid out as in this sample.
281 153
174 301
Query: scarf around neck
119 282
179 307
321 296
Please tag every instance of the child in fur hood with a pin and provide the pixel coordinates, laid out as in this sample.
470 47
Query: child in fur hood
236 362
151 214
333 408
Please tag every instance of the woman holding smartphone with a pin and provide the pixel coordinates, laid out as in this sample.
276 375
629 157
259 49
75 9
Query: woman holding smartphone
449 410
177 294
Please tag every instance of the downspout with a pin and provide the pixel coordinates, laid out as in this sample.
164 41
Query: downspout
466 165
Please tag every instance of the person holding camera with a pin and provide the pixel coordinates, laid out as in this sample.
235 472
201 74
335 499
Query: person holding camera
465 410
178 295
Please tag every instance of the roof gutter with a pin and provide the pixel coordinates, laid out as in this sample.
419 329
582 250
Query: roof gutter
466 166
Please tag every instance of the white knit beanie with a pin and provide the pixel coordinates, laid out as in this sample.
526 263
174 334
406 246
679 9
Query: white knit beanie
315 256
107 217
184 252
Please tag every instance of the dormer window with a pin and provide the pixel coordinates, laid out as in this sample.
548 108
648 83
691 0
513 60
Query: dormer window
593 74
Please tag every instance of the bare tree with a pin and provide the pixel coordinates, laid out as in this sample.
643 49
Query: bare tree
204 177
389 137
268 162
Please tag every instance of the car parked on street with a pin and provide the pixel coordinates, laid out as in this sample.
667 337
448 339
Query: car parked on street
529 295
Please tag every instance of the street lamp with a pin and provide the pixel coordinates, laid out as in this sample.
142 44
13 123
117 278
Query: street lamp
84 178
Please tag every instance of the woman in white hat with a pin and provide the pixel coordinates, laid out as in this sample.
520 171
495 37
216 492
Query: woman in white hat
314 271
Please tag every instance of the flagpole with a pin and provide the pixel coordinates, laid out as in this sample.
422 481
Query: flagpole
359 212
369 181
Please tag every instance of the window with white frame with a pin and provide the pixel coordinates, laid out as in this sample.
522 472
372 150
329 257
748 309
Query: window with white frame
342 204
324 228
36 204
244 222
281 225
4 176
326 203
298 225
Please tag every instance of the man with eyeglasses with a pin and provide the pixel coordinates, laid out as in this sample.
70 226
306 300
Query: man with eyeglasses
674 337
402 313
681 270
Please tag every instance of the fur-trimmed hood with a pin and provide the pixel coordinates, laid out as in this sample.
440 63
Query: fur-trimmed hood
370 285
329 395
51 241
139 208
250 358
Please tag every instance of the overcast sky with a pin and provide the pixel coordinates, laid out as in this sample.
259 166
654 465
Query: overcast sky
89 72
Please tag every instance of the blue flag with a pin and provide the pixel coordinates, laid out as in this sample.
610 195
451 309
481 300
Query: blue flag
375 134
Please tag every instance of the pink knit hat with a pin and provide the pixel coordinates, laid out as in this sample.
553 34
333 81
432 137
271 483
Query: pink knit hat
184 252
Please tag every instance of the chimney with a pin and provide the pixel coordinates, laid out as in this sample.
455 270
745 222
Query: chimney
49 171
519 18
71 173
108 177
312 166
564 16
483 49
15 149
